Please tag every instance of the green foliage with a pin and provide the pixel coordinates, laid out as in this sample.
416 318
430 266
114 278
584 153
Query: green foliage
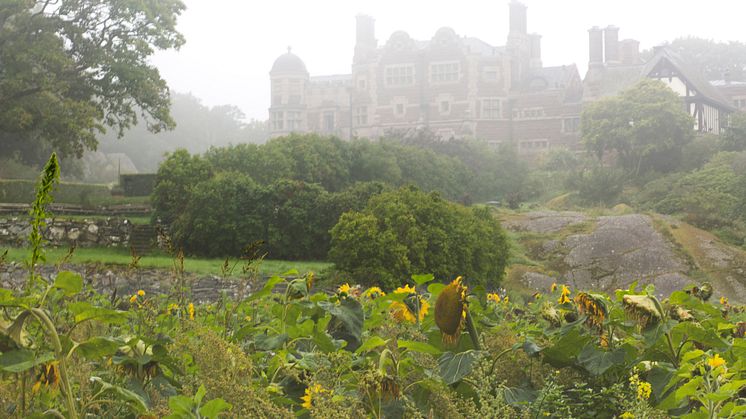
407 232
176 178
715 60
645 126
598 185
734 137
73 67
85 194
140 184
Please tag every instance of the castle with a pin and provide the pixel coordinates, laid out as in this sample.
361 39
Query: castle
462 87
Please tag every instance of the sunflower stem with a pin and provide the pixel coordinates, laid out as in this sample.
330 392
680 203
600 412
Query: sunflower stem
471 328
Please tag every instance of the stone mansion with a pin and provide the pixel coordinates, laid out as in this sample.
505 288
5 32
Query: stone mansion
462 87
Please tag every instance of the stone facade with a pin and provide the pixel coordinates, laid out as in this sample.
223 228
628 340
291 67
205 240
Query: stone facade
451 85
111 232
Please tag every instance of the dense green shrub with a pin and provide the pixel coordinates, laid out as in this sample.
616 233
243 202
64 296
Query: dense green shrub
176 177
22 191
406 232
221 217
140 184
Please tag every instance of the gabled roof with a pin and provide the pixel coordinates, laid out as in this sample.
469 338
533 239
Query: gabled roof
691 76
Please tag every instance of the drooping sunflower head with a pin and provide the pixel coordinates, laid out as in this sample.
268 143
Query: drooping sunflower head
705 291
681 314
594 307
643 309
310 280
450 310
550 314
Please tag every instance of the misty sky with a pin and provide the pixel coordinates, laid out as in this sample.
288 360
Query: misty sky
231 44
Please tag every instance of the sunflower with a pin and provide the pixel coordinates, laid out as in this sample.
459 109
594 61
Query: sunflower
594 307
450 311
550 314
412 308
494 297
715 361
344 288
642 308
373 293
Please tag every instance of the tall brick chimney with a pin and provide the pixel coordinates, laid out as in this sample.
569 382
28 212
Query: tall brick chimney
596 47
535 51
518 18
365 37
611 45
629 52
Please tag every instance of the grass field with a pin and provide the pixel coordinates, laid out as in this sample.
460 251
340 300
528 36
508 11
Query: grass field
109 256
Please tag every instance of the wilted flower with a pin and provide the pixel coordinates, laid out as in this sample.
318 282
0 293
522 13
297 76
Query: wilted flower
310 279
173 307
681 314
48 377
550 314
553 288
642 308
593 306
450 310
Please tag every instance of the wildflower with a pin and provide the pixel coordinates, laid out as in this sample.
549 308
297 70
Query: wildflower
564 296
715 361
642 308
191 311
723 301
48 377
592 306
408 310
627 415
133 299
494 297
450 310
344 288
553 288
141 293
374 292
173 307
506 299
311 393
643 388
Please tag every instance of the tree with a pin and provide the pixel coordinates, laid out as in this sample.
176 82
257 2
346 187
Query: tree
70 68
176 178
645 126
714 59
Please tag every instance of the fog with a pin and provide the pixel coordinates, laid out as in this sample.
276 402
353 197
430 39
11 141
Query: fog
232 44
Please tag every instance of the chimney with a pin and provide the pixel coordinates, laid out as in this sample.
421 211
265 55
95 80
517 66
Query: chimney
596 47
629 51
611 45
535 51
365 37
518 18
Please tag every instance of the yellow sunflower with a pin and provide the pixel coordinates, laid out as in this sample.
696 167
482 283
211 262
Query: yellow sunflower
450 311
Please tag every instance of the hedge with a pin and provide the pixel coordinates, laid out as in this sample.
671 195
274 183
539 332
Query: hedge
137 184
23 191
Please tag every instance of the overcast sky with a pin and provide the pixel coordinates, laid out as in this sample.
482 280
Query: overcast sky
231 44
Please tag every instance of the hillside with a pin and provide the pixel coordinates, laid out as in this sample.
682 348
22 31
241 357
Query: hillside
609 252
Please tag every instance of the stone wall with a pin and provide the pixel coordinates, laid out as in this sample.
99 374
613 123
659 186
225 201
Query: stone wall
109 232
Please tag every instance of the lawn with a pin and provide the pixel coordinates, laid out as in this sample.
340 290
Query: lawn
122 257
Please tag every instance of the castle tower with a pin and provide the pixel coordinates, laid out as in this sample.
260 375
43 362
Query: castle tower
365 38
289 79
519 43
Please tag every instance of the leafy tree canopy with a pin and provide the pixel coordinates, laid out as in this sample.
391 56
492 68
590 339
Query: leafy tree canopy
645 126
70 68
714 59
